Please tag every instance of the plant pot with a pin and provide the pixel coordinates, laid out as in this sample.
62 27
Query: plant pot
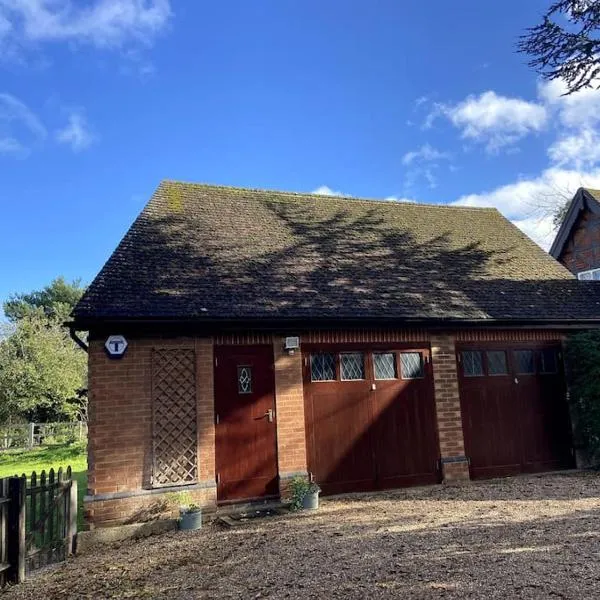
190 521
311 501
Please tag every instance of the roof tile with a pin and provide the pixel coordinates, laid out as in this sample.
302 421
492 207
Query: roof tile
202 251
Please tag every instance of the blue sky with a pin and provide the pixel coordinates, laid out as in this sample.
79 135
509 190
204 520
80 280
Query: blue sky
101 99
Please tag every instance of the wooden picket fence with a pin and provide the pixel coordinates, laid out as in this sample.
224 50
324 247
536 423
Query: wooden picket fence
38 522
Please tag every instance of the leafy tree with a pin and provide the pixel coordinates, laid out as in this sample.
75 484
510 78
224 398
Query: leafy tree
566 44
42 372
54 301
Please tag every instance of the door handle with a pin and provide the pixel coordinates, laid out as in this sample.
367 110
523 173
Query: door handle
269 415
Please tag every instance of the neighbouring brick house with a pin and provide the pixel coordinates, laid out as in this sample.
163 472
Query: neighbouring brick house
577 243
368 344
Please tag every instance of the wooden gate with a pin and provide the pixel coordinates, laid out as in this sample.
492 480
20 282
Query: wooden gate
514 409
51 518
370 416
38 522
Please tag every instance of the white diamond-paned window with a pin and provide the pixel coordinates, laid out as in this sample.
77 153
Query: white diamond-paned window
322 367
384 365
352 366
244 379
411 364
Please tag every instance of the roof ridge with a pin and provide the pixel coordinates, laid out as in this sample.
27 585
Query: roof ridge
322 196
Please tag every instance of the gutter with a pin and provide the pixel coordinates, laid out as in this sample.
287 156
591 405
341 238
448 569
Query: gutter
73 335
294 323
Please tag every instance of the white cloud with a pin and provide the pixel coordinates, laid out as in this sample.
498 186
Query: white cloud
425 153
580 149
494 120
76 132
325 190
528 203
580 109
423 163
497 121
20 128
398 199
101 23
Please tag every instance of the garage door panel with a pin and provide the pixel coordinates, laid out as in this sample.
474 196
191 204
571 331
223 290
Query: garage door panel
370 434
545 413
489 428
342 450
406 443
517 421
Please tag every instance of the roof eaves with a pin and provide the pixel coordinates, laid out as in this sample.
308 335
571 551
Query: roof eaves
577 204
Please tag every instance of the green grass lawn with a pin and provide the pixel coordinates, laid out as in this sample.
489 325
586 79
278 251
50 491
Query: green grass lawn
51 457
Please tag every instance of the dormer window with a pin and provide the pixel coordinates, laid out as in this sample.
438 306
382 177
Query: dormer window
589 275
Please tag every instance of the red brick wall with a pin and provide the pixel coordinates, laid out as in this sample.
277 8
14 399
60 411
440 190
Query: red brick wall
137 509
120 422
447 404
206 409
120 419
582 251
291 436
120 427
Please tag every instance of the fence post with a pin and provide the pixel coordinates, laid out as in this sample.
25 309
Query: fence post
16 528
31 439
72 542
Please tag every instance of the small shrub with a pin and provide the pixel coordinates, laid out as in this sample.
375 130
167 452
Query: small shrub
299 488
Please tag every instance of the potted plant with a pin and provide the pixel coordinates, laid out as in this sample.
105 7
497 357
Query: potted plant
305 494
190 517
190 514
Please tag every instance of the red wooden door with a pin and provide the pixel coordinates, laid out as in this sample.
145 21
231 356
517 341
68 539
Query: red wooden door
514 410
404 423
545 420
374 431
337 417
245 444
490 412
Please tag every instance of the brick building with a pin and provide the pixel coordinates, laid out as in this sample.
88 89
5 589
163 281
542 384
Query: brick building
577 243
367 344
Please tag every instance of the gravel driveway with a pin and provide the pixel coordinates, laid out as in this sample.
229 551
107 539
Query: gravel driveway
525 537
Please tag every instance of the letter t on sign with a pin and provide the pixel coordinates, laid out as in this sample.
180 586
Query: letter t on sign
116 345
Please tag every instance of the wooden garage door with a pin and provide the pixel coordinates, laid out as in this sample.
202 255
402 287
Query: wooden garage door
514 410
370 417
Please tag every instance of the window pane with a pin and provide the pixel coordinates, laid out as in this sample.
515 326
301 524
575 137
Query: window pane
596 274
352 365
244 380
472 363
322 367
549 363
497 362
411 364
524 361
384 364
584 275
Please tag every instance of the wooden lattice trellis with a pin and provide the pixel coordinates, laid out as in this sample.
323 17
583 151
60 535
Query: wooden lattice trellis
175 443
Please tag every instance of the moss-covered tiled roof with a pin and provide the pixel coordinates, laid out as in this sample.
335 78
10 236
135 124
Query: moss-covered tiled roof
594 193
201 252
